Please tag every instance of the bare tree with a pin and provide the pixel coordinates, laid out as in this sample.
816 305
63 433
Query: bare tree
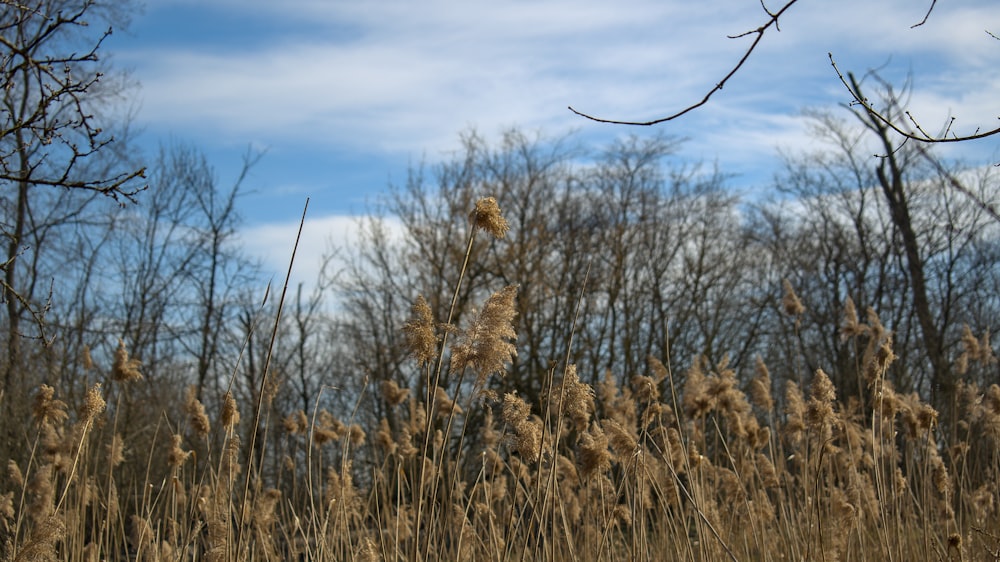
894 234
52 143
651 254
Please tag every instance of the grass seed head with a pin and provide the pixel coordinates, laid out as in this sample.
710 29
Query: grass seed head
116 450
230 413
393 394
851 327
177 456
488 344
578 399
93 404
790 302
123 368
594 457
196 412
760 387
419 333
486 216
14 473
48 410
526 435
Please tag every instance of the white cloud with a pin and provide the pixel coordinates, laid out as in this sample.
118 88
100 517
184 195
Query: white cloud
330 237
398 77
410 74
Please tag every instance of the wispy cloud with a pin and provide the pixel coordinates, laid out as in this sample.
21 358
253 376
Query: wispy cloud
327 242
405 75
395 78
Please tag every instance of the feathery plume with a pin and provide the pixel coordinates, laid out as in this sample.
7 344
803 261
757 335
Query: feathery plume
486 216
230 413
295 423
487 345
696 401
383 437
85 358
7 506
795 411
93 404
819 415
124 369
116 450
47 409
851 327
622 442
444 404
421 338
760 387
196 412
14 473
577 400
526 437
790 302
594 456
393 394
177 456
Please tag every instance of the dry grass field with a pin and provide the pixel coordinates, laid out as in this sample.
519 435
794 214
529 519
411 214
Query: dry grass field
643 469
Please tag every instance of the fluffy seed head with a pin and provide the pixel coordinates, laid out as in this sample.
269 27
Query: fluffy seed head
526 435
47 410
851 327
124 369
116 450
230 413
177 456
486 216
393 394
577 400
295 423
421 338
15 474
7 506
594 456
623 442
196 412
790 302
760 387
85 359
93 403
444 404
487 346
819 411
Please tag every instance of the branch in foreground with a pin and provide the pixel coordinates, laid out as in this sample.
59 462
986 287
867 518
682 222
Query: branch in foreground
927 15
759 32
920 135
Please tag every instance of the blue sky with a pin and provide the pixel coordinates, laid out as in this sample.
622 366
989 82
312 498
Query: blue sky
344 96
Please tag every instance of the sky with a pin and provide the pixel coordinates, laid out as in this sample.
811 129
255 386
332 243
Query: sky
342 97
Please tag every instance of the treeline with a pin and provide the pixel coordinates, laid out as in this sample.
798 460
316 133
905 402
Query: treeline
630 253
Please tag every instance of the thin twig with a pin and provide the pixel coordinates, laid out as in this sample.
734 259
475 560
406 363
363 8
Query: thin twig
927 15
759 32
923 136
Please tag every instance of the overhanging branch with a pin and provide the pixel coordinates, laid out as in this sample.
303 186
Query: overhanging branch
759 32
919 134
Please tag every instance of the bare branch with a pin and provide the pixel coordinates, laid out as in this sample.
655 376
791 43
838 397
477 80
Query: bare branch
920 135
927 15
759 32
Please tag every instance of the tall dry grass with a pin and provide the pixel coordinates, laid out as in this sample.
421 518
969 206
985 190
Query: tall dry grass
636 470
